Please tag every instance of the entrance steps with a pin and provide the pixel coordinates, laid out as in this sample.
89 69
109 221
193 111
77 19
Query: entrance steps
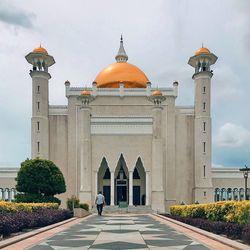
123 210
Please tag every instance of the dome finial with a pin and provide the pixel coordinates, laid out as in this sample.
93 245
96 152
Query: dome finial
121 55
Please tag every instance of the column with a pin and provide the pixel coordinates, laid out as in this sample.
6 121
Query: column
130 188
112 189
147 188
157 170
96 183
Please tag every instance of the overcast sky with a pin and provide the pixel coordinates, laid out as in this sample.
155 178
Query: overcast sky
159 37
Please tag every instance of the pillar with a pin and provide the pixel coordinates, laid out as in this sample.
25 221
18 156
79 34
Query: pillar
112 188
147 188
130 188
85 154
157 198
96 183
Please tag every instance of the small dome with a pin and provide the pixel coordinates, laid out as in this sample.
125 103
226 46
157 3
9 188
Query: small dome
85 92
121 72
40 50
202 50
157 93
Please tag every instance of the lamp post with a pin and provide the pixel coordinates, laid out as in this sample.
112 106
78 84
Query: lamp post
245 171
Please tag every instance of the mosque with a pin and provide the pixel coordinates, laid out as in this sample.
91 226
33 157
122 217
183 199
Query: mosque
128 139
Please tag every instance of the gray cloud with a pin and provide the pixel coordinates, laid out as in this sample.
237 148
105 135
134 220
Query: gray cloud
16 17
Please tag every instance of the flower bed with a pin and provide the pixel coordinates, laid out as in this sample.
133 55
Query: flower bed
12 207
15 222
230 218
231 230
228 211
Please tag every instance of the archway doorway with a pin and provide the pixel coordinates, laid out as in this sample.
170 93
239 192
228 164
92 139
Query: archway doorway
121 181
139 184
103 182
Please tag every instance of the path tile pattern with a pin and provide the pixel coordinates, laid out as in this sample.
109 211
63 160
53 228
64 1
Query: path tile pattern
120 232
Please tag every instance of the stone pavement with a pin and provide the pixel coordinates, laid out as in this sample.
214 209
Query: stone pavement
120 232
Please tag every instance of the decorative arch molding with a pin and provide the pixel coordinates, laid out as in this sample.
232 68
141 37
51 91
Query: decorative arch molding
121 163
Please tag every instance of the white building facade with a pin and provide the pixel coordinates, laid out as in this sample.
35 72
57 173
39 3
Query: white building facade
126 138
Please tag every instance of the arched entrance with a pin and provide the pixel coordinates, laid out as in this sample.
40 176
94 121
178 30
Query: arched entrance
139 184
103 181
121 181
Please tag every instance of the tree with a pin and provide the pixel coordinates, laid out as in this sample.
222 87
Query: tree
39 180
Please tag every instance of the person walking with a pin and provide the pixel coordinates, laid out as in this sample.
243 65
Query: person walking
100 202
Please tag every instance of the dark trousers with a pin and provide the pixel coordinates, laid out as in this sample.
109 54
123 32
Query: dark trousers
99 208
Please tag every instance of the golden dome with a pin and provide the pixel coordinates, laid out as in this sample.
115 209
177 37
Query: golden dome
85 92
121 72
202 50
157 93
40 50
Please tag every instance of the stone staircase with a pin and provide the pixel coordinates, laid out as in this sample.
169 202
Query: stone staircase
124 210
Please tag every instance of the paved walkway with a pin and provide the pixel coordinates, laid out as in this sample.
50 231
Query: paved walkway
119 232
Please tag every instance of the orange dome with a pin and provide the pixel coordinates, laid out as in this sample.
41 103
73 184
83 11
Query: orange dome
85 92
40 50
121 72
202 51
157 93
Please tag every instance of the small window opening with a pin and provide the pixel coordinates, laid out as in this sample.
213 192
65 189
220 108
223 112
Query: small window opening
204 106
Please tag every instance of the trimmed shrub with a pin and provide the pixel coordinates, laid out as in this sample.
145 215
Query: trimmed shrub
84 206
228 211
73 202
15 222
35 198
12 207
246 234
231 230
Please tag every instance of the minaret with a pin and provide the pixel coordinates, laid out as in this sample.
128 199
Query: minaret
41 61
201 61
158 172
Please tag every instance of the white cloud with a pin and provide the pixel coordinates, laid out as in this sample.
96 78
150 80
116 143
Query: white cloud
231 135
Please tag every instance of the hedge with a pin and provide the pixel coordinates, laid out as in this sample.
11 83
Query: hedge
231 230
16 222
228 211
12 207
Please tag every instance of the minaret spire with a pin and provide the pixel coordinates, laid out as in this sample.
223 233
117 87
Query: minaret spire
121 55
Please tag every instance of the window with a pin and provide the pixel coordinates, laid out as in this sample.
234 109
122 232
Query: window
38 89
204 170
38 126
204 90
204 147
204 106
107 174
205 194
136 174
38 146
204 126
38 106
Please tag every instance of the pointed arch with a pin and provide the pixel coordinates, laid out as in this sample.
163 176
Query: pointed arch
121 164
139 183
103 180
121 175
